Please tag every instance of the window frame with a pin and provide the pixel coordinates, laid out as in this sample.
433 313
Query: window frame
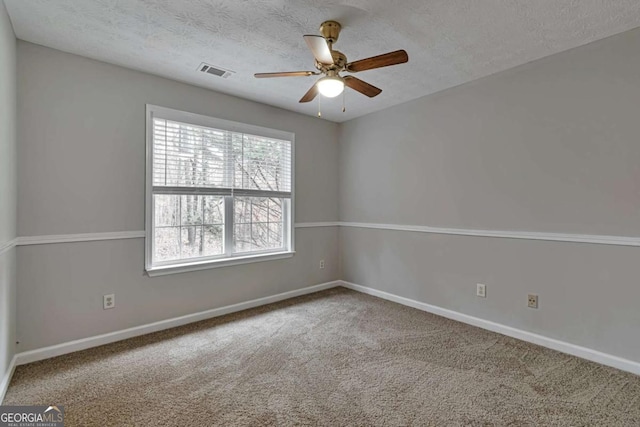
228 258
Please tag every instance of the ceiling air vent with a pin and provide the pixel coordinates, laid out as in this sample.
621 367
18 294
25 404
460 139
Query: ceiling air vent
216 71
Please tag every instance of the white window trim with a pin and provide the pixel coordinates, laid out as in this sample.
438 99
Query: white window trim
240 258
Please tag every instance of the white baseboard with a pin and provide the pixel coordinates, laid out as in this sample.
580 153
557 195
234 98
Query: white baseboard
85 343
561 346
6 379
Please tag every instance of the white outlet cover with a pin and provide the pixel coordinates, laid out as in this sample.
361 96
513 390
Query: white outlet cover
481 290
109 301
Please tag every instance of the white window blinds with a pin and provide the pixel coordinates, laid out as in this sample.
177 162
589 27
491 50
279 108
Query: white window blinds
195 159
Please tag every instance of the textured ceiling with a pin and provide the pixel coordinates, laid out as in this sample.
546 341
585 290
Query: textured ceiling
449 41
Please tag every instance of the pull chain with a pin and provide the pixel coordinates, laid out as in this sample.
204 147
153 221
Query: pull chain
343 96
319 112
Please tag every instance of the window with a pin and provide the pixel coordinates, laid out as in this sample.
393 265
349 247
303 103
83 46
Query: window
218 192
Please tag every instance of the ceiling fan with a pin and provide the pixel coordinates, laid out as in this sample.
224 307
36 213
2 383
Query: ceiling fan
332 62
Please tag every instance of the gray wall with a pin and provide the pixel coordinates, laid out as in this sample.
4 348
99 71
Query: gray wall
8 189
81 164
551 146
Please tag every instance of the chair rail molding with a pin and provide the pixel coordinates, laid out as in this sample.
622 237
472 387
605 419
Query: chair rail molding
82 237
8 245
598 239
504 234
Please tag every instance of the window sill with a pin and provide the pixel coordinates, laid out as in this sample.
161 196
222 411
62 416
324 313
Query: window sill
205 265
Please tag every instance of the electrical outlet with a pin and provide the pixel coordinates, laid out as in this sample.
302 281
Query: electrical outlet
481 290
532 301
321 264
109 301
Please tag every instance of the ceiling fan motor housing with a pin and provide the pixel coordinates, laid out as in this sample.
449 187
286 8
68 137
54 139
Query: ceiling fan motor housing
339 62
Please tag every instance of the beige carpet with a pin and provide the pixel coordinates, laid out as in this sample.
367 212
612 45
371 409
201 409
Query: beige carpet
334 358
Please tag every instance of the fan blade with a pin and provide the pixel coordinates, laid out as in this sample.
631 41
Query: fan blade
384 60
319 48
311 93
286 74
361 86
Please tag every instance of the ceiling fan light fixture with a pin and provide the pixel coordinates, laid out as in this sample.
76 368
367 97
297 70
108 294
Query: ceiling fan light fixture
331 63
330 86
